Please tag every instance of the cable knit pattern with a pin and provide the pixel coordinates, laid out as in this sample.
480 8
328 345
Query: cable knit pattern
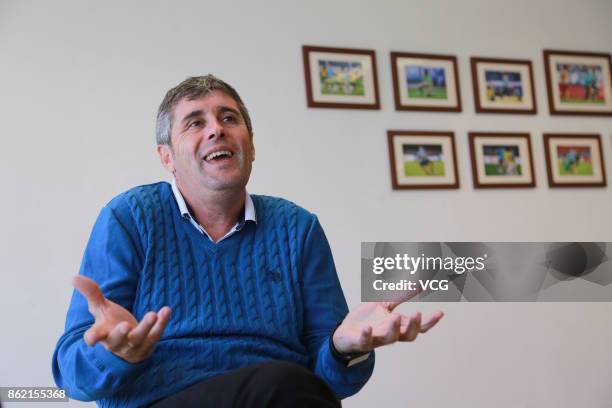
270 291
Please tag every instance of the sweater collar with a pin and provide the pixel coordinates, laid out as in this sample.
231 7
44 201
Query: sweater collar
247 214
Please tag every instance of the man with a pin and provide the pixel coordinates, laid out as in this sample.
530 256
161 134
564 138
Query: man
564 81
427 84
249 281
426 164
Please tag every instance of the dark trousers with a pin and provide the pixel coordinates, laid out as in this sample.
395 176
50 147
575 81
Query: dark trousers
270 384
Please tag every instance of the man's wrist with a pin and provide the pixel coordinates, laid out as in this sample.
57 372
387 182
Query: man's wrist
346 359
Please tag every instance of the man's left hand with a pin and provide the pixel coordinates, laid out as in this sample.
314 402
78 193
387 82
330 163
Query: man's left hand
375 324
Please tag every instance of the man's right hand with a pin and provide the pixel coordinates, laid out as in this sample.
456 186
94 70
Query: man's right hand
116 328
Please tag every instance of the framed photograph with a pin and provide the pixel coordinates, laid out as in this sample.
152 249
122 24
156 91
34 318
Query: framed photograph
422 159
503 86
501 160
340 78
425 82
574 160
578 83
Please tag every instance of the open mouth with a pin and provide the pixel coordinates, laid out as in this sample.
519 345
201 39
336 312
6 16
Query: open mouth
218 156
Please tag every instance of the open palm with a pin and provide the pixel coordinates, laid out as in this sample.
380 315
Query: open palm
375 324
116 328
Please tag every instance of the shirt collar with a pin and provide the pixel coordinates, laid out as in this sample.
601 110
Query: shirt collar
248 214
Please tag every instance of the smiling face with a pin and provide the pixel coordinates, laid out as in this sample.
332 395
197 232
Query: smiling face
211 147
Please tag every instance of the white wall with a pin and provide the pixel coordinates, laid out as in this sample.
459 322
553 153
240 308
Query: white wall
79 86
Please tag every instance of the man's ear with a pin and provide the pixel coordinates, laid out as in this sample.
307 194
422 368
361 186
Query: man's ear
166 157
252 148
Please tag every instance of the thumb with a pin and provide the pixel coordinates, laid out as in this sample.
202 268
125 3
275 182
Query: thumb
93 335
90 290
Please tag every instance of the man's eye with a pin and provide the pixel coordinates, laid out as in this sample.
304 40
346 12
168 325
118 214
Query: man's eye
195 123
229 119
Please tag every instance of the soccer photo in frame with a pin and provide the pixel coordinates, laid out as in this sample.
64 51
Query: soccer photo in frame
503 86
501 160
425 82
422 159
340 78
578 83
574 160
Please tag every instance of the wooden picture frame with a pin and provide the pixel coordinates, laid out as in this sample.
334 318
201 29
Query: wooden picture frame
578 83
574 160
502 160
503 86
425 82
422 159
343 78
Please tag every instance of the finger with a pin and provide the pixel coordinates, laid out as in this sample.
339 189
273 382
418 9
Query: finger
90 290
413 329
138 334
93 335
402 297
158 328
117 338
392 305
388 331
433 320
404 325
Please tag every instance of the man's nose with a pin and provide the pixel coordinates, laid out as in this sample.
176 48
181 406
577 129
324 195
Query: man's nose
215 130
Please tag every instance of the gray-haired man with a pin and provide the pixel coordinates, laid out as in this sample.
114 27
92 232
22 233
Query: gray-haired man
258 314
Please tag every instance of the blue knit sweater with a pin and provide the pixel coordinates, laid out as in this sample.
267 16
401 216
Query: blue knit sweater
270 291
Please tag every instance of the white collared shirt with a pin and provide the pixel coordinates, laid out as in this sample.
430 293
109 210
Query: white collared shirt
249 213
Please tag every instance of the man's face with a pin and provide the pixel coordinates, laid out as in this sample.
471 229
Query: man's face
211 146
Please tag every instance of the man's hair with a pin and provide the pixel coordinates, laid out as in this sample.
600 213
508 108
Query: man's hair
193 88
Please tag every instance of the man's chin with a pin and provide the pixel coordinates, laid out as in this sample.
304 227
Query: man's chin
225 185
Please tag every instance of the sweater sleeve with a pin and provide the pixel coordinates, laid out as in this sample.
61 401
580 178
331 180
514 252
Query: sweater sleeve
113 258
324 307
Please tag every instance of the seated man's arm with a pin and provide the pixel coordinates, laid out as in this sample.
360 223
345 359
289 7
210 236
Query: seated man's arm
113 258
324 308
